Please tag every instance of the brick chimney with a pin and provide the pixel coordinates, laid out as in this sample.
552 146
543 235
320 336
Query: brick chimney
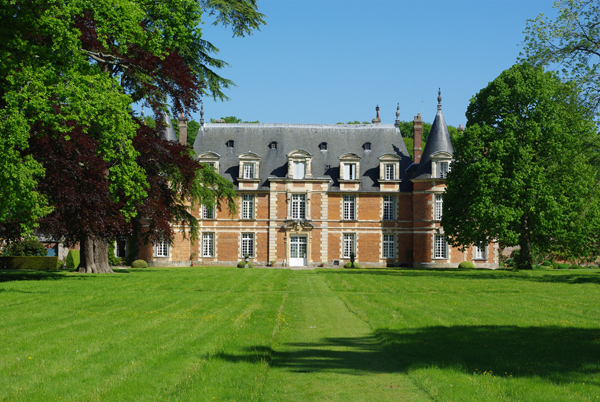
418 128
377 119
183 130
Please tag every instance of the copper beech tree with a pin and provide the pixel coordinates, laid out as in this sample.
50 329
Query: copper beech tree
73 157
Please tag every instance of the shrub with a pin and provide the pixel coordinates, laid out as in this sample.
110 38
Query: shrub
349 265
73 259
575 266
515 255
466 265
563 266
139 264
112 258
547 263
242 264
59 264
29 247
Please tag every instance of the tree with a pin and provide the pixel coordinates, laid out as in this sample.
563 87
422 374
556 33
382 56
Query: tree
69 72
232 119
521 171
28 247
571 42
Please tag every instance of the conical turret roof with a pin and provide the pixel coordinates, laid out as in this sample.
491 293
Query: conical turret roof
438 141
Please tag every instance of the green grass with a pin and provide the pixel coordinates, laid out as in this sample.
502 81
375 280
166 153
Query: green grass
221 334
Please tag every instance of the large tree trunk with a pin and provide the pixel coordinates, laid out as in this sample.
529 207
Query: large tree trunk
94 256
525 243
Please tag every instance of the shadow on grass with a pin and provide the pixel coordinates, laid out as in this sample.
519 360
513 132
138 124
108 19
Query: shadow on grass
10 275
550 276
558 354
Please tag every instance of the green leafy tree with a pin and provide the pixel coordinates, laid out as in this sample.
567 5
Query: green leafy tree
232 119
521 172
570 42
28 247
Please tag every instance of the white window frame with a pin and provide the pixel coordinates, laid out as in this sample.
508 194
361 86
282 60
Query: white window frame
248 170
439 203
441 247
247 206
298 170
298 207
349 207
389 246
479 252
350 171
348 244
389 171
442 169
208 244
389 204
248 245
207 213
162 248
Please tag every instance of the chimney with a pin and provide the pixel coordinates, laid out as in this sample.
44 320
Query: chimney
183 130
376 120
417 127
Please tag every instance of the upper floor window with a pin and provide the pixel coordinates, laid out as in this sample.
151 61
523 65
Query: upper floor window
208 212
349 208
248 171
299 165
389 167
350 167
388 207
439 203
211 159
443 169
298 206
248 206
323 146
441 247
389 171
249 166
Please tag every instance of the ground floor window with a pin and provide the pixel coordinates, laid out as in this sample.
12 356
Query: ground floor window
349 244
248 244
388 246
441 247
208 244
479 252
121 247
161 249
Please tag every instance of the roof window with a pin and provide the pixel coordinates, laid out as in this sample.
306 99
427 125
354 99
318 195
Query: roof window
229 144
323 146
273 145
367 146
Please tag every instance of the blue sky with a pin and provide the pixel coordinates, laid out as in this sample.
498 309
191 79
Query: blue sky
328 61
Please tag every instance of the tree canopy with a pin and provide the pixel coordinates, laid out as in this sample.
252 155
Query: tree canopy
72 150
570 42
521 171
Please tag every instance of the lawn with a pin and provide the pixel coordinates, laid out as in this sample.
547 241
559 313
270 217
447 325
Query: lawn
227 334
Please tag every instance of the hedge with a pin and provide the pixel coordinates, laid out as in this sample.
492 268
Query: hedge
38 263
73 259
242 264
349 265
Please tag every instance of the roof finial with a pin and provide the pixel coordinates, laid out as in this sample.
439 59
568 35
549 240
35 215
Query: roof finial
439 99
397 124
201 113
376 120
143 118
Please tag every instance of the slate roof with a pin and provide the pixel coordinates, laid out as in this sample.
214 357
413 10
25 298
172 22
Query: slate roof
340 139
169 132
438 141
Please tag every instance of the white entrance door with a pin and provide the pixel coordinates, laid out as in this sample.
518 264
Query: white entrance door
297 251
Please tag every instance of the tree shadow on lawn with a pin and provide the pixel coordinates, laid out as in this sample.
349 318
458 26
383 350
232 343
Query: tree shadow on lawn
10 275
550 276
559 354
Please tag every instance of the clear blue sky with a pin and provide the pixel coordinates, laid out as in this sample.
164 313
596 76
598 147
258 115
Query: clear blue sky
328 61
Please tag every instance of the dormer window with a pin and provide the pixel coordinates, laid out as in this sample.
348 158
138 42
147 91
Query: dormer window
211 159
249 166
350 167
299 165
389 167
273 145
367 146
323 146
440 165
229 144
